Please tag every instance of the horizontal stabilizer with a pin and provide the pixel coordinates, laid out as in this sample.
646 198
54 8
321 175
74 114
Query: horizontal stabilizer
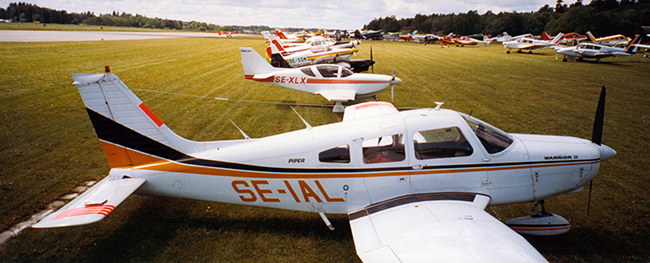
94 204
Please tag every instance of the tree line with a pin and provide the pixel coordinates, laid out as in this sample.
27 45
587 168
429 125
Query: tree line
602 17
25 12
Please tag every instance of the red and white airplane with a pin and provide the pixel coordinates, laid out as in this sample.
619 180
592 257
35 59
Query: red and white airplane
334 82
468 41
567 38
315 44
414 184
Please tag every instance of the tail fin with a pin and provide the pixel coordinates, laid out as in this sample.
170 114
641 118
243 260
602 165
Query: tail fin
280 34
129 132
631 47
275 45
591 37
253 63
545 36
557 38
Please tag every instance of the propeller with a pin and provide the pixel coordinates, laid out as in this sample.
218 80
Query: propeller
597 133
392 81
373 66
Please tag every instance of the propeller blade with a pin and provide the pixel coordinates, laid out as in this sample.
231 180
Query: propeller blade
393 74
597 135
391 92
373 65
589 200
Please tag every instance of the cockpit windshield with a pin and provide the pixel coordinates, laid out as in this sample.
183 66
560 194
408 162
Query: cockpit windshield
493 139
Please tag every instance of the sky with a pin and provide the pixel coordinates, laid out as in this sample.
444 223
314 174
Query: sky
329 14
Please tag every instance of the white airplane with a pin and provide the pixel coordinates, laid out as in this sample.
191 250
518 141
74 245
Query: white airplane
507 37
612 40
414 184
316 44
590 50
530 44
306 57
334 82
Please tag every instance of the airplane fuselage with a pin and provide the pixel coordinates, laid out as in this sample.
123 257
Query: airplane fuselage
344 167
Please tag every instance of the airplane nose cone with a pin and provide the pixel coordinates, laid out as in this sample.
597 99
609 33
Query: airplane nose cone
606 152
395 81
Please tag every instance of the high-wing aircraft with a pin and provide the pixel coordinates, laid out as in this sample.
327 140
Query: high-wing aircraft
414 184
612 40
506 37
590 50
530 44
334 82
409 36
305 57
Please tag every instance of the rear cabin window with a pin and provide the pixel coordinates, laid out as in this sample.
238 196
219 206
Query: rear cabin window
308 71
328 71
441 143
340 154
384 149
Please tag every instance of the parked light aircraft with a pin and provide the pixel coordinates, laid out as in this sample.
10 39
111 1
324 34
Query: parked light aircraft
612 40
590 50
305 57
414 183
567 38
334 82
356 65
530 44
507 37
463 41
317 44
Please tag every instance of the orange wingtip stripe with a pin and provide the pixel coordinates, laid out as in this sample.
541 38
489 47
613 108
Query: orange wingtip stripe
87 210
151 115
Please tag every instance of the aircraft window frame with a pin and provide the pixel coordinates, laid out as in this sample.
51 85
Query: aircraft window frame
439 143
345 72
338 154
493 140
328 71
308 71
385 149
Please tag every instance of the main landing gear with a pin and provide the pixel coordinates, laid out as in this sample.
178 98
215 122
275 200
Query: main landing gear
540 224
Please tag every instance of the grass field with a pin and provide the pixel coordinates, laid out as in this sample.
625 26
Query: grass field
47 145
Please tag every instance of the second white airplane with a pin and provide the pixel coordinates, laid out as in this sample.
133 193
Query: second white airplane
334 82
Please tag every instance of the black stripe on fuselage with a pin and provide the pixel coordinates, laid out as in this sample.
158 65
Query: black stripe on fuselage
115 133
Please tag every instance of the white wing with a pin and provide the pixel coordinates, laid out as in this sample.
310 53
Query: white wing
339 95
448 227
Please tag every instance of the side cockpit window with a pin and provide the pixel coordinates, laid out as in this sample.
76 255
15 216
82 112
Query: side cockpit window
340 154
328 71
384 149
493 139
308 71
441 143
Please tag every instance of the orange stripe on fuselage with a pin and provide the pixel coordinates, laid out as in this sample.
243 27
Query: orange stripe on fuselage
158 164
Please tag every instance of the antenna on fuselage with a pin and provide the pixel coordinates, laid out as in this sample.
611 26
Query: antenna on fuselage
303 120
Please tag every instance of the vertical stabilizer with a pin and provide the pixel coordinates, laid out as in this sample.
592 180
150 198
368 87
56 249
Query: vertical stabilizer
127 129
253 63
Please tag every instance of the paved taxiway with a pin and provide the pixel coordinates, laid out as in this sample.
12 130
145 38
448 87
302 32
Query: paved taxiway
49 36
